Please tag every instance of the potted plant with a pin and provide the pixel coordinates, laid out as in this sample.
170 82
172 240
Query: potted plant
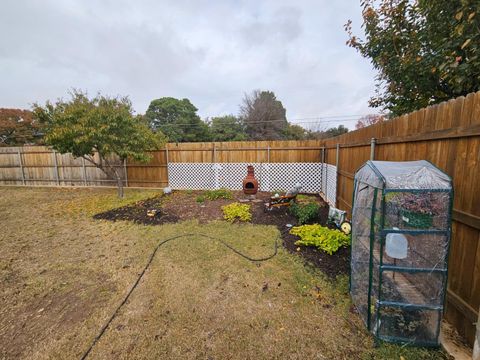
418 209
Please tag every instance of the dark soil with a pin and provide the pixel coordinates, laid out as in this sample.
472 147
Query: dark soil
331 265
137 213
182 205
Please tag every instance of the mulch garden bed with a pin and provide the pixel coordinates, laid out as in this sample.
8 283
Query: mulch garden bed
182 205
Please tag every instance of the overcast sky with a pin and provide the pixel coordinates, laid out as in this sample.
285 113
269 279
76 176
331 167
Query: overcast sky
209 51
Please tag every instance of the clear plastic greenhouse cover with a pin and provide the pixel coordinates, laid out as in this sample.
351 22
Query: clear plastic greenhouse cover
401 224
403 175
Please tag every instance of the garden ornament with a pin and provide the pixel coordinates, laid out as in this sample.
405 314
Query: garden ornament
153 212
295 190
337 217
285 200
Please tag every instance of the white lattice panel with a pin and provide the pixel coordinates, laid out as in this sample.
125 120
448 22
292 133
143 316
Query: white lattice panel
193 176
284 176
272 176
329 180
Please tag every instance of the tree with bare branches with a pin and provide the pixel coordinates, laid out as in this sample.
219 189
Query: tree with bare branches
368 120
263 115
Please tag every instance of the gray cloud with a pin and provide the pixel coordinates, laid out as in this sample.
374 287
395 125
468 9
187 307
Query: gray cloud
208 51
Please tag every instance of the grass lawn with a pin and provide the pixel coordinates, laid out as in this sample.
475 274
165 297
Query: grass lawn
64 273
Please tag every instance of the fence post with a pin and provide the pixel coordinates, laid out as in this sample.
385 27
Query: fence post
216 172
84 172
321 172
56 167
167 159
373 141
476 345
268 153
337 163
20 161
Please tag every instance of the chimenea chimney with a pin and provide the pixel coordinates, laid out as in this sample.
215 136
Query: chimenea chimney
250 184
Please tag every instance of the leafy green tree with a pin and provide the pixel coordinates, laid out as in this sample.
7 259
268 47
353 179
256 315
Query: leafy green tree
425 51
331 132
294 132
336 131
177 119
264 116
97 130
227 128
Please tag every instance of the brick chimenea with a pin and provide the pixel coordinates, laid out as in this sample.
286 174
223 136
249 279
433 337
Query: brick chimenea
250 184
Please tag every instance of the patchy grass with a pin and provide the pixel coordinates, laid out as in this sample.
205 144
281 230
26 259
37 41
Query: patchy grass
63 274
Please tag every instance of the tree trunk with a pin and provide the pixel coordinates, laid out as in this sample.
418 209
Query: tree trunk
120 186
108 170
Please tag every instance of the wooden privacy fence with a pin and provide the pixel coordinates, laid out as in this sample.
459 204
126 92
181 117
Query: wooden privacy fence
39 165
447 134
155 173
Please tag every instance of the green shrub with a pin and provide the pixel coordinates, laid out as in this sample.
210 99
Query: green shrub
234 211
215 195
306 199
323 238
305 212
218 194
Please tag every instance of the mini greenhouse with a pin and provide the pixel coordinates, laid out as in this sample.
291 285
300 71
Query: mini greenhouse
400 239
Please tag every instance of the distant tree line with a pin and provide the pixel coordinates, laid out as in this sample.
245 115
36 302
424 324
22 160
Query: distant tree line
261 117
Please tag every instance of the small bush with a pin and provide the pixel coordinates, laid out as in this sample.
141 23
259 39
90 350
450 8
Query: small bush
234 211
305 213
323 238
218 194
215 195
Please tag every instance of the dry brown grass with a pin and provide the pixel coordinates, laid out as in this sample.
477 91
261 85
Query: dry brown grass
63 274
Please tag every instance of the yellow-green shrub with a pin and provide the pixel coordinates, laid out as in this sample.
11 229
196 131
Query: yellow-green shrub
323 238
221 193
234 211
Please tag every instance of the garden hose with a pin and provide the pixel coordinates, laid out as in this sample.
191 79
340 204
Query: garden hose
125 299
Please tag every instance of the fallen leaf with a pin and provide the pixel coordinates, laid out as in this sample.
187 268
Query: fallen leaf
465 44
